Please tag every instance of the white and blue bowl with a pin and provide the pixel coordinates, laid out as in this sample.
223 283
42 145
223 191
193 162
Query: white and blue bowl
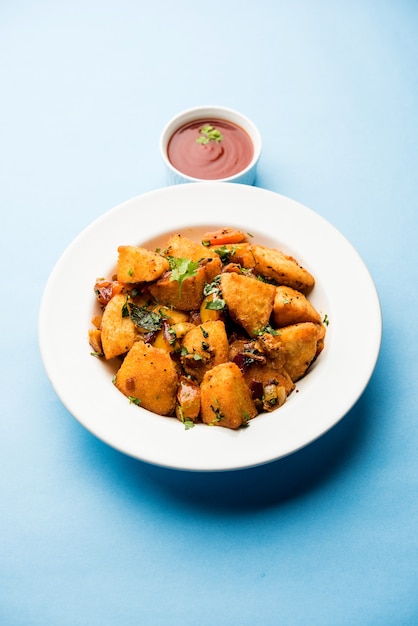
246 176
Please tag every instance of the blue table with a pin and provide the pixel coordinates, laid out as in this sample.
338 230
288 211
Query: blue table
327 536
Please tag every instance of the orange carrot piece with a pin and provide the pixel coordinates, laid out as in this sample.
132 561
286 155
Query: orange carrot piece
224 236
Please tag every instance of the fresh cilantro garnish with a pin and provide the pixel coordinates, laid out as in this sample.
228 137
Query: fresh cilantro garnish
134 400
213 288
218 414
225 253
325 320
187 422
172 336
182 269
209 133
215 305
246 420
267 329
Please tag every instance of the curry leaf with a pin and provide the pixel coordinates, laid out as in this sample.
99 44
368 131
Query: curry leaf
148 320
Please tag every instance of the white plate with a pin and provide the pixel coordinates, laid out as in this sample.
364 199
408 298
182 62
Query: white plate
344 290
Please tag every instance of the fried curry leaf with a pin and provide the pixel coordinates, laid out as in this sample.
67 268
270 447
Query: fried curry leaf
142 317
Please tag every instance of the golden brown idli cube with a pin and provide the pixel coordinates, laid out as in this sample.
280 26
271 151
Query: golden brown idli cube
292 307
139 265
118 333
149 378
262 362
225 398
203 347
281 268
186 297
181 247
275 382
95 340
249 301
302 343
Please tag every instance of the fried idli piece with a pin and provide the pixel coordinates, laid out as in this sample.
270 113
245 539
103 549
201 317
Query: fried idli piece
225 397
203 347
249 301
302 344
139 265
149 378
281 268
181 247
188 400
262 364
292 307
187 297
95 341
118 333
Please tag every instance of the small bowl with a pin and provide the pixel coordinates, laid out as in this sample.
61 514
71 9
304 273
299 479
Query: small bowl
244 176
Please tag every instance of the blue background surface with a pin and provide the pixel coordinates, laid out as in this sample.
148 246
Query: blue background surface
328 536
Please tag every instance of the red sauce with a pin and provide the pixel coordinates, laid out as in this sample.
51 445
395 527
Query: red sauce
214 159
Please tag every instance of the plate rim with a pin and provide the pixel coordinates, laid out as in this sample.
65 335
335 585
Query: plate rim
165 457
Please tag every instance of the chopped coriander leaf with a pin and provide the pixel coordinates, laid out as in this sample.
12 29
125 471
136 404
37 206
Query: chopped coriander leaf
225 253
209 133
246 420
218 414
267 329
216 305
134 400
188 423
212 287
182 269
325 320
173 336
